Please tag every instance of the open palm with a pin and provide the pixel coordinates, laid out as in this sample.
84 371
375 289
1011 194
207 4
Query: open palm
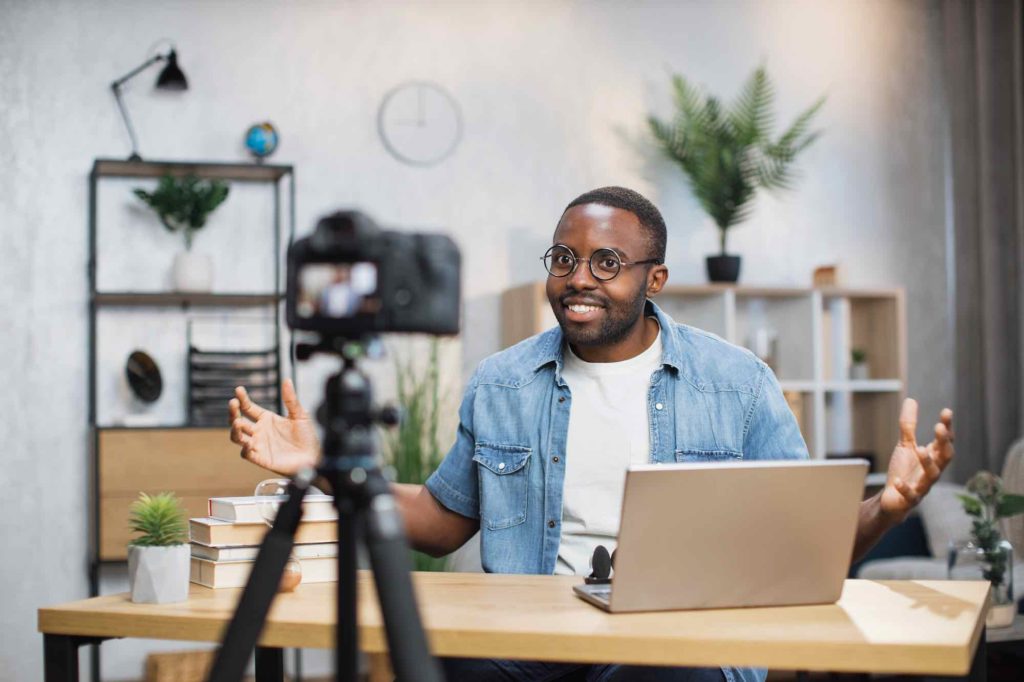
284 445
914 468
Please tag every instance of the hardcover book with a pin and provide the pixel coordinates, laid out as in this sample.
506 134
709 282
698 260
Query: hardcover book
251 509
219 533
319 550
217 574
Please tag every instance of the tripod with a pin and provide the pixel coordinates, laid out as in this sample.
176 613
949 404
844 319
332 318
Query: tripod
367 514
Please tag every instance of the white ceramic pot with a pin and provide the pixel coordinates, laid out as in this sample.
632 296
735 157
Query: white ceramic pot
859 371
1000 615
158 575
192 272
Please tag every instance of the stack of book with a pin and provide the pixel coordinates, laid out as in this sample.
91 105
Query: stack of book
225 543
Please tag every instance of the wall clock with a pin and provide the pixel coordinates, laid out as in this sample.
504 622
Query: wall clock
419 123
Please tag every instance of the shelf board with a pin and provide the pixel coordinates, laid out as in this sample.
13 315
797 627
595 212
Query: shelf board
799 385
840 292
865 386
158 427
170 299
246 172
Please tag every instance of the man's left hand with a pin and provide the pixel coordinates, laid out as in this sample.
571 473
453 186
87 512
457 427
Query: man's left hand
914 468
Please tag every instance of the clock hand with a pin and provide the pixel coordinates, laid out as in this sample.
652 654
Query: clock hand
419 106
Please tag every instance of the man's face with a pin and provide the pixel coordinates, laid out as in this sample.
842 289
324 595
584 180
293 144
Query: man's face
592 312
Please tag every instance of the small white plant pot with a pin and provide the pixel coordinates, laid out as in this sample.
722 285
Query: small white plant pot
860 371
192 272
158 575
1000 615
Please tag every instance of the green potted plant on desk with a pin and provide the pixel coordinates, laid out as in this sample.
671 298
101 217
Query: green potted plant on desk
183 205
987 555
728 153
159 558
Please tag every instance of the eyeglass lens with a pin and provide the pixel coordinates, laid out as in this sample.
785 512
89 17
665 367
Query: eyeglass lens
560 261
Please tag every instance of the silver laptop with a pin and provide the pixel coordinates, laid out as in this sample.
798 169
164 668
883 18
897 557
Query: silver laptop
722 535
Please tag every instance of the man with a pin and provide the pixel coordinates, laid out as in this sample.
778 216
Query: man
549 426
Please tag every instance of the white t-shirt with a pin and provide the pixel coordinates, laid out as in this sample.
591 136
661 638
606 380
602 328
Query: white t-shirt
609 429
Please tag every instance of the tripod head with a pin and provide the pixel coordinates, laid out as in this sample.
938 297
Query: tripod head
348 413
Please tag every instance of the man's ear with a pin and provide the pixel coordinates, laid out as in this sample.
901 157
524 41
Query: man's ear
656 278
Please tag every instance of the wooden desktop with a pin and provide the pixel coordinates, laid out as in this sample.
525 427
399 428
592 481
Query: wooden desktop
910 627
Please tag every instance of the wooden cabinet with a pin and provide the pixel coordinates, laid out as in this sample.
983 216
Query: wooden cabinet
806 335
195 464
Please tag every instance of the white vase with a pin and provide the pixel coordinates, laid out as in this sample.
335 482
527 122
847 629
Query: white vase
192 272
968 561
158 575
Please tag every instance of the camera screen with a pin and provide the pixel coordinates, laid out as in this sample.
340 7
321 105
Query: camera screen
337 290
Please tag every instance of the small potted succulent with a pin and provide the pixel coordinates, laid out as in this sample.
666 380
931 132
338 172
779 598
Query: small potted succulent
987 555
159 558
183 205
859 368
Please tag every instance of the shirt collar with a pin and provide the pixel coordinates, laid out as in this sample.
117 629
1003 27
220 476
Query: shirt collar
551 348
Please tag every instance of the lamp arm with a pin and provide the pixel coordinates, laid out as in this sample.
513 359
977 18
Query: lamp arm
116 87
136 71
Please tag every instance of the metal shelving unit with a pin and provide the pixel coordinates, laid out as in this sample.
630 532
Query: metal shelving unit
281 179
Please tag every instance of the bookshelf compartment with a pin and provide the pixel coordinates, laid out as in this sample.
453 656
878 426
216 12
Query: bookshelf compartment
847 415
706 310
803 406
870 322
789 320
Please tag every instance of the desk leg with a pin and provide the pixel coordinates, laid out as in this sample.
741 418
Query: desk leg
60 656
269 664
979 665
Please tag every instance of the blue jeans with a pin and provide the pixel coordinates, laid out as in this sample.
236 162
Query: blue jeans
490 670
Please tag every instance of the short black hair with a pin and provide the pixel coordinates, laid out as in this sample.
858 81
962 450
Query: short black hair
637 204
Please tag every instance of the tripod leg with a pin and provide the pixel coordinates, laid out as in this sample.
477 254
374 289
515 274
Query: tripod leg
389 557
244 629
346 655
269 664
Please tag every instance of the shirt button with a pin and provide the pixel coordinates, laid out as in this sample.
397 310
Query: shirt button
561 398
659 406
551 524
501 466
555 459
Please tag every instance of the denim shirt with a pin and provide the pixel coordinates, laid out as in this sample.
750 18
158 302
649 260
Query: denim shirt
709 401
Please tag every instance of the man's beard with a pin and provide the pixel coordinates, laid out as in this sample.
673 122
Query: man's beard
618 320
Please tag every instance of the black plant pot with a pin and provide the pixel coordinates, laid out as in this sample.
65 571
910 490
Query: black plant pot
723 268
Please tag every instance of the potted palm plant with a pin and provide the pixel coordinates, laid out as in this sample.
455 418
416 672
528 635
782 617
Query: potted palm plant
728 153
183 205
158 559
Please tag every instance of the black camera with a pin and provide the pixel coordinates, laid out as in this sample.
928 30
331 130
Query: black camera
350 278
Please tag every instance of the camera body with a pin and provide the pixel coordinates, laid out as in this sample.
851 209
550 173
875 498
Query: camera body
350 278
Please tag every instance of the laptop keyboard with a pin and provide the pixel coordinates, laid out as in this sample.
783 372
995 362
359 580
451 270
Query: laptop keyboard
602 593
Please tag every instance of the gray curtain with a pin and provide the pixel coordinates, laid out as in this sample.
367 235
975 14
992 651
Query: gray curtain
983 60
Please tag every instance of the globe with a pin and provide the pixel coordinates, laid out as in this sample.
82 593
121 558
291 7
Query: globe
261 139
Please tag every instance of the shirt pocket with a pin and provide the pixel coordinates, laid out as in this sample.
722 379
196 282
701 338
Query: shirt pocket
504 484
697 455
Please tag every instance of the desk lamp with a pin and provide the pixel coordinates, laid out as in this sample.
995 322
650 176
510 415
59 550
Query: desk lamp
170 78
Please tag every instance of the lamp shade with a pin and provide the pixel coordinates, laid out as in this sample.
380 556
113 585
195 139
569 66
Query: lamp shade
172 78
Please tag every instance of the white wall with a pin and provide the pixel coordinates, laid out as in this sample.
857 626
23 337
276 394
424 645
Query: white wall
554 97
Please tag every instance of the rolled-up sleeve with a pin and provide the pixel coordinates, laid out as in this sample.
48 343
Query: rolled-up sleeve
455 484
772 431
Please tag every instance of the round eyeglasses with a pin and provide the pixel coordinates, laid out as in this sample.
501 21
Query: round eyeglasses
604 264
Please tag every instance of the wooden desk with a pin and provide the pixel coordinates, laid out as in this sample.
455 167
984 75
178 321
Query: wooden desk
911 627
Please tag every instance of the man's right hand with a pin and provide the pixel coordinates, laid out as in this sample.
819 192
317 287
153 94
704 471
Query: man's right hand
285 445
